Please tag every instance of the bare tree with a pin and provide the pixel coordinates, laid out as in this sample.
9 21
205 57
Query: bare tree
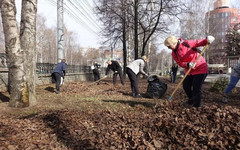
41 38
163 61
92 54
113 15
154 17
21 90
73 52
194 24
77 56
2 44
136 21
69 43
143 18
46 42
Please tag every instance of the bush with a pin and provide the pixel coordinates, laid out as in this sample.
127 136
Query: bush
219 84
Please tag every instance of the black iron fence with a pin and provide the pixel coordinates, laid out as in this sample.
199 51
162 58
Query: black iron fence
44 68
47 68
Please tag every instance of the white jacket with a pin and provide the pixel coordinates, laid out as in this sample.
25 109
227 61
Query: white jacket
137 66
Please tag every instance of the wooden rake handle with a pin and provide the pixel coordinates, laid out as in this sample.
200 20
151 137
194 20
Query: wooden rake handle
98 81
204 49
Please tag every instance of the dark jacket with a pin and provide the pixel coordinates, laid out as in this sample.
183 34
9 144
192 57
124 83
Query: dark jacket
174 68
115 66
60 68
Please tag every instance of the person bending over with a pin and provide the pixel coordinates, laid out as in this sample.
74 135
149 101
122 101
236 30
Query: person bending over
185 52
117 70
58 73
132 70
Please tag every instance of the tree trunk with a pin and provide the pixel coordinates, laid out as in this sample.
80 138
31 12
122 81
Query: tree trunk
21 77
136 28
124 45
14 54
28 44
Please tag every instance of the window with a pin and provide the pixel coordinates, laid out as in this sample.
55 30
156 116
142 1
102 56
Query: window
234 19
227 14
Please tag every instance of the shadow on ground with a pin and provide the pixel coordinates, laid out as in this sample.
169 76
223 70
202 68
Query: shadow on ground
4 98
132 103
50 89
63 134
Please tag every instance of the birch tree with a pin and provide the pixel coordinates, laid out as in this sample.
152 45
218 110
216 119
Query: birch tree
2 44
20 51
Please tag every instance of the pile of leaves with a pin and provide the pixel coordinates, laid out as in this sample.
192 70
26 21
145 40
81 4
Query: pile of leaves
164 128
163 125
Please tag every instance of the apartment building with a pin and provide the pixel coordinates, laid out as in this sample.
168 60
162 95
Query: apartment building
217 22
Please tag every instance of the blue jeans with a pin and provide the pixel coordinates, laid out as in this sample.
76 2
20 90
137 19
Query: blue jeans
233 82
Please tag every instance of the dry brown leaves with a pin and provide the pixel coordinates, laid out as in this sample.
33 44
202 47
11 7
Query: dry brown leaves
168 125
207 128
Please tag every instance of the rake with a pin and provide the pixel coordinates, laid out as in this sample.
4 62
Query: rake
204 49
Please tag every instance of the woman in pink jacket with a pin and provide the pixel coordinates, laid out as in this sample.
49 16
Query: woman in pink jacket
185 52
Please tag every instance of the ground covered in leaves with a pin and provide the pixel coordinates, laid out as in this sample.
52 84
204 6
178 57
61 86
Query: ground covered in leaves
87 115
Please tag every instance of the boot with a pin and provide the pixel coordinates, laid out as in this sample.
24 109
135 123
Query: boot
133 94
225 98
138 96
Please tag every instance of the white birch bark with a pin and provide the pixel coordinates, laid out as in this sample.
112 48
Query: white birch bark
14 53
20 54
28 44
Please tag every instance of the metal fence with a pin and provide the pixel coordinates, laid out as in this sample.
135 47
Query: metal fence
47 68
44 68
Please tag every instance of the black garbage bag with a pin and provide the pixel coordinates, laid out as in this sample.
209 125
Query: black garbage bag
156 88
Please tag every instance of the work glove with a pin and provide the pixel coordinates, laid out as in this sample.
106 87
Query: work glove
210 39
105 76
146 75
191 65
115 72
